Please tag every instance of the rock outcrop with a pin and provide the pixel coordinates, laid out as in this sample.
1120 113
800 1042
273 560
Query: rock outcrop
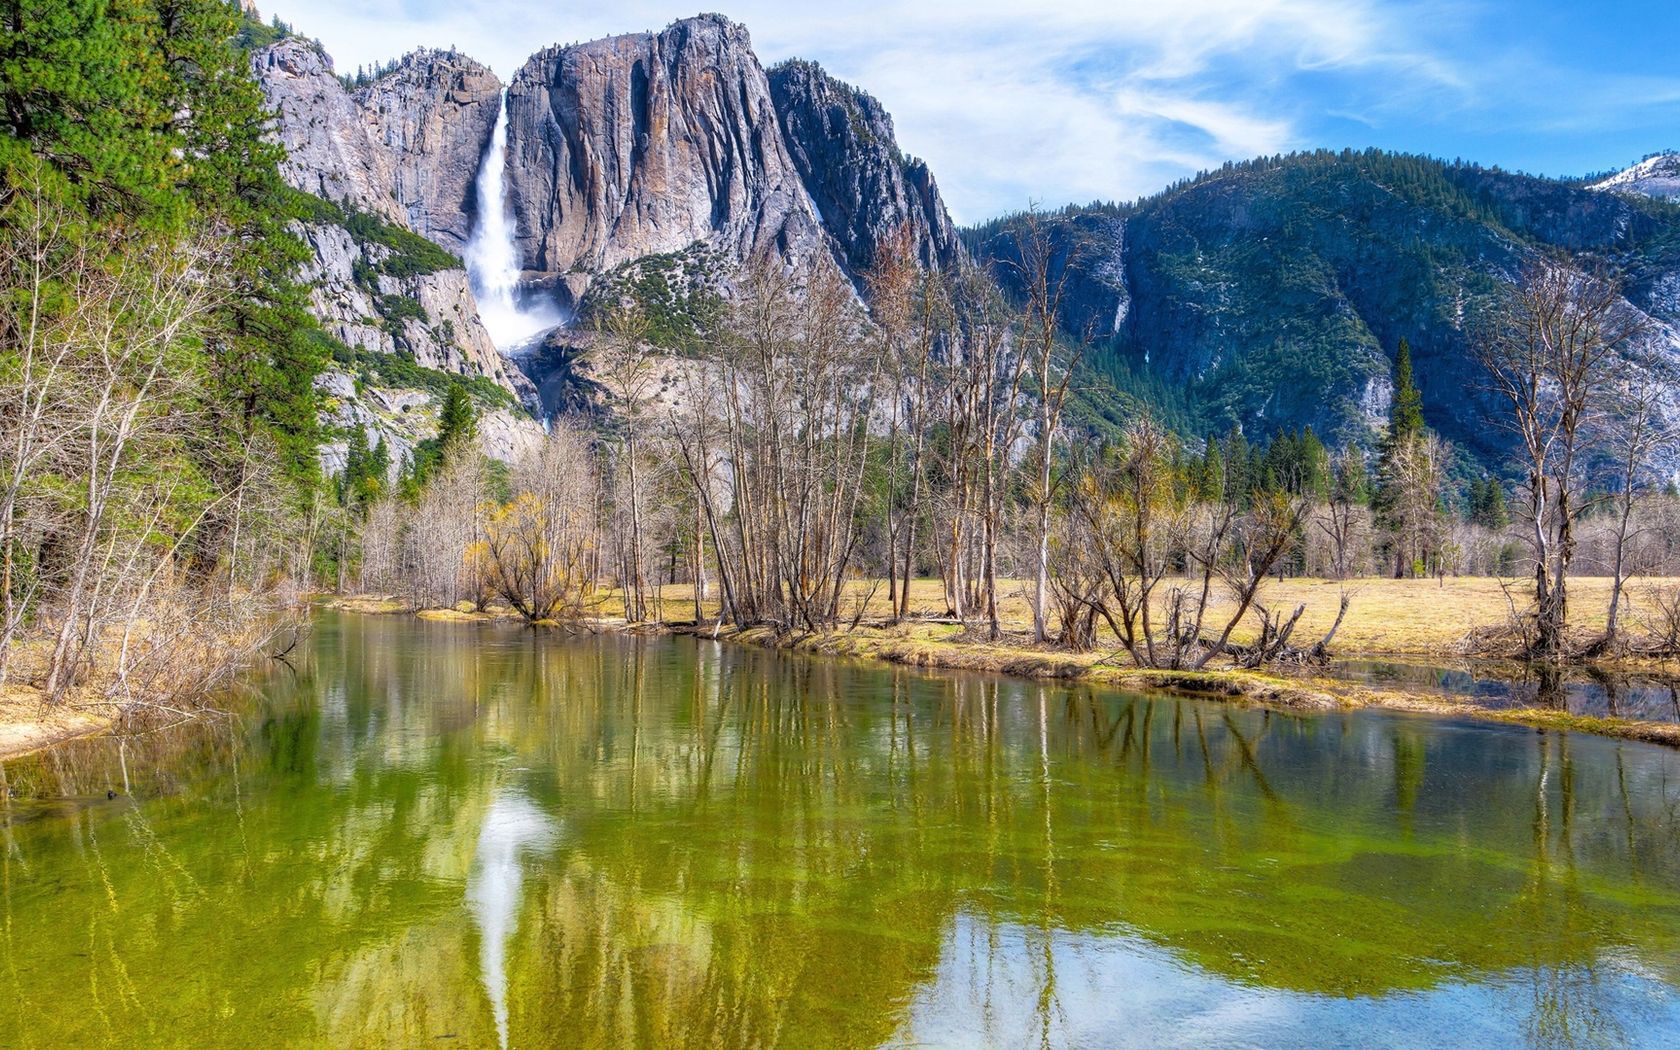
329 149
618 149
429 316
865 188
406 146
642 144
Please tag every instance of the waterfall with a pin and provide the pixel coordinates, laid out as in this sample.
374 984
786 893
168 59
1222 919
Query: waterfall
492 258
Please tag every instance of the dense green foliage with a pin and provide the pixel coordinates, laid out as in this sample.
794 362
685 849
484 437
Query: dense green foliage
1405 417
365 474
396 251
254 34
136 124
676 292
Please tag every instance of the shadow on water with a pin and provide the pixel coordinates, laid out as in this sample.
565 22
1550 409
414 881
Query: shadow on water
482 835
1506 684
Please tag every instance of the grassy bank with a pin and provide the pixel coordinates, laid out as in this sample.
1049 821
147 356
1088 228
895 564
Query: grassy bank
28 724
919 646
1420 620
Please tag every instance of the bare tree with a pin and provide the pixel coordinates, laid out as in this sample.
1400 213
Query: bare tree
446 523
128 331
1551 357
536 548
627 366
777 443
1043 268
1634 428
1343 520
35 394
1413 473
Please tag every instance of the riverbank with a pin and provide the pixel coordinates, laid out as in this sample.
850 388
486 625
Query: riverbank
173 671
1421 618
911 645
28 724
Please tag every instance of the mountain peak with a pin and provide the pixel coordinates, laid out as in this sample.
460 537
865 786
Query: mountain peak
1656 176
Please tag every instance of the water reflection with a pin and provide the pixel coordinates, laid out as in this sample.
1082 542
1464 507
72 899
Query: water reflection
1016 986
483 835
1498 684
513 828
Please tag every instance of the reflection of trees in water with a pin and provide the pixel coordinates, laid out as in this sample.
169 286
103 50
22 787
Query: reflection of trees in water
763 848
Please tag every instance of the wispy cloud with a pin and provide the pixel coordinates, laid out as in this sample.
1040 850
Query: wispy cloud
1084 99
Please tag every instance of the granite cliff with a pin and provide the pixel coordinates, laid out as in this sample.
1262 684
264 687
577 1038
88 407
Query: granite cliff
391 166
865 187
645 144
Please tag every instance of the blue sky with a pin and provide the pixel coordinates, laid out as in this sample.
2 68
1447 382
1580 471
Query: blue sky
1012 102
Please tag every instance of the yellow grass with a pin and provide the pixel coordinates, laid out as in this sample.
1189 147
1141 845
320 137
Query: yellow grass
1386 617
28 723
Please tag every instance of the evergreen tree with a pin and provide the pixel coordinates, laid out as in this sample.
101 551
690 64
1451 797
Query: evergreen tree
363 481
1239 479
80 90
143 120
1315 465
262 363
379 462
1403 449
1351 484
1487 504
355 468
457 421
1406 415
1210 484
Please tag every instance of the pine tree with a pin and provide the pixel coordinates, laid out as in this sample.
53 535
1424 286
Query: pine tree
355 469
1404 446
379 463
1210 485
1239 480
80 90
1487 504
457 421
1406 415
1315 465
263 364
1351 484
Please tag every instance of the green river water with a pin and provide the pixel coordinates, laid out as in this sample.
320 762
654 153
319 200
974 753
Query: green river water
466 835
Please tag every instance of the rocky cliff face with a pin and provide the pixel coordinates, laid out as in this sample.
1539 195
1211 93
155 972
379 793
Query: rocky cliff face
405 147
865 188
329 150
644 144
395 158
431 317
433 115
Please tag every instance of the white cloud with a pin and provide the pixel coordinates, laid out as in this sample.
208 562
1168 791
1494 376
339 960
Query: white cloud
1083 99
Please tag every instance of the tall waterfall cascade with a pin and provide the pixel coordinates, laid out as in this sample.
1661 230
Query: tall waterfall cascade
493 260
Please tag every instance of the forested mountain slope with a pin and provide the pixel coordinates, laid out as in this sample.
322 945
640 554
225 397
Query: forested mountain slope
1273 293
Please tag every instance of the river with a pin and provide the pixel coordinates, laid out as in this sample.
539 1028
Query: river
422 834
